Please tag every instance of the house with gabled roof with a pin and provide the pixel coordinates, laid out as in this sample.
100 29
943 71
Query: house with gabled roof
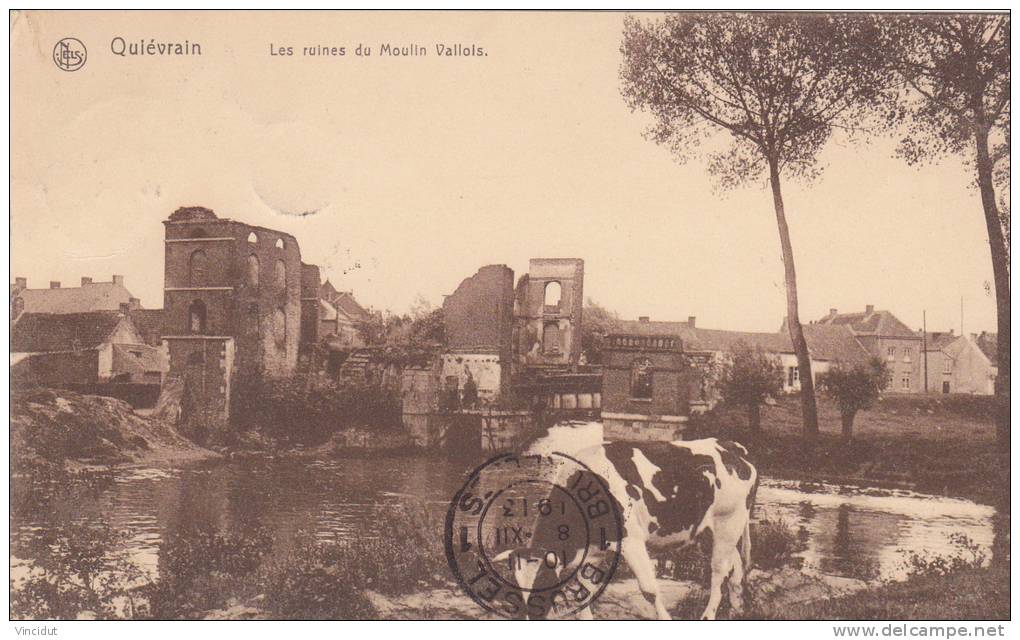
960 363
340 315
887 338
82 349
90 296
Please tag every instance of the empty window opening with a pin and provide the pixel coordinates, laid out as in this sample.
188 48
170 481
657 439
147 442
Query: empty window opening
641 379
279 243
553 292
196 317
252 238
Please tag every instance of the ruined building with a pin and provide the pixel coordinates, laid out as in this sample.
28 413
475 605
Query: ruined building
547 310
233 305
520 345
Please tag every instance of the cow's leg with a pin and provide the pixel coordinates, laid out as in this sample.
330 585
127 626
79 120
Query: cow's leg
636 555
725 536
736 584
721 566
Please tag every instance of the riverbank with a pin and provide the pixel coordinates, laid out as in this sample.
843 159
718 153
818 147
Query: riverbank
932 444
56 429
970 594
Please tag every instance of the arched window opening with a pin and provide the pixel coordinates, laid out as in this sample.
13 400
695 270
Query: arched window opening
252 238
196 317
253 270
281 274
553 292
198 233
551 338
279 243
197 269
641 379
280 327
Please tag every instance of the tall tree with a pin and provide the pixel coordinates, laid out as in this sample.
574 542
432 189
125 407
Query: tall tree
778 84
955 69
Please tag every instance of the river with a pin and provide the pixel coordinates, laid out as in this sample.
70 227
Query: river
849 531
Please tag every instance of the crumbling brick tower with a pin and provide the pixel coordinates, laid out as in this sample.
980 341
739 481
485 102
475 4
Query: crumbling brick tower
232 298
548 309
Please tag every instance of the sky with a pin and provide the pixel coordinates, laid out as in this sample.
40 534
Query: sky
417 171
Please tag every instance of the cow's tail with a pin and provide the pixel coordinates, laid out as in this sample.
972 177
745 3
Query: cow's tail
745 542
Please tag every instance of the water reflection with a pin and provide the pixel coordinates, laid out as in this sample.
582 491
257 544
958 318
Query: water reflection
861 533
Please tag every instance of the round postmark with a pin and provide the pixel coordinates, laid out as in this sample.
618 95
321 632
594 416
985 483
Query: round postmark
69 54
532 535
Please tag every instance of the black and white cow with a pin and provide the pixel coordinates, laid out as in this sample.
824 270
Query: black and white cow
668 493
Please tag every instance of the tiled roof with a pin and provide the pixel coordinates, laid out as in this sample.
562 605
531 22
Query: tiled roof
137 358
878 323
43 332
988 343
150 324
96 296
938 340
346 303
824 342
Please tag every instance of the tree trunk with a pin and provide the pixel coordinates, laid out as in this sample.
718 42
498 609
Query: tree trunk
754 417
807 383
847 418
1000 270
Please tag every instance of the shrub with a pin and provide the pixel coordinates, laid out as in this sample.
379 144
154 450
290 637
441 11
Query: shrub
76 571
966 554
200 569
308 409
309 584
854 388
774 543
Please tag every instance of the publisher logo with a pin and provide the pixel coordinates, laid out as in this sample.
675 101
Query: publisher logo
69 54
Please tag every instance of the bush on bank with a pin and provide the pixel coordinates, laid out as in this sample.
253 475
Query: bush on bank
308 409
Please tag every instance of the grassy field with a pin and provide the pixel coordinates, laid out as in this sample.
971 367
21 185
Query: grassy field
935 444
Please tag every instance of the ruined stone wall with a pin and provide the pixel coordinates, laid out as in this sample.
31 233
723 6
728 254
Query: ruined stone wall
310 282
478 319
204 366
549 303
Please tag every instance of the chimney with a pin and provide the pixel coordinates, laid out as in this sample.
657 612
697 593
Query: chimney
85 280
125 308
134 303
21 283
54 284
690 321
643 319
118 280
869 309
833 311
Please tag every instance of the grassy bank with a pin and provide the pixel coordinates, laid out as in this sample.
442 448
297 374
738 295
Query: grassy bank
971 594
935 444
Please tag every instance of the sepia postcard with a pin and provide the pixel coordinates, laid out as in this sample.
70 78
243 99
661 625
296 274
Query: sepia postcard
510 315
